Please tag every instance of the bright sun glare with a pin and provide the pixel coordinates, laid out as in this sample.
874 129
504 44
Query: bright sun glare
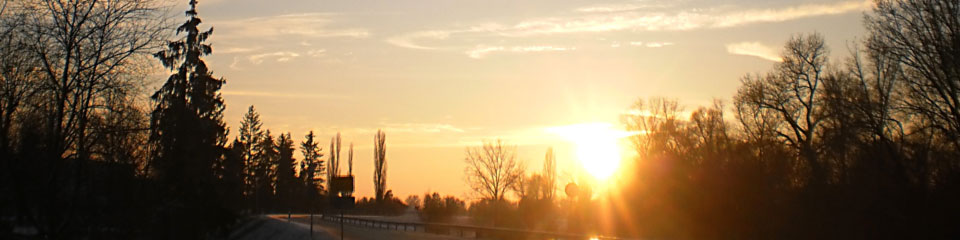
596 144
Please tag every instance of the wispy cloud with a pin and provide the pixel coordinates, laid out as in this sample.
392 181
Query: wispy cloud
421 127
305 25
408 40
482 50
280 95
235 64
657 44
316 52
235 50
282 56
755 49
623 18
643 44
681 20
790 13
610 8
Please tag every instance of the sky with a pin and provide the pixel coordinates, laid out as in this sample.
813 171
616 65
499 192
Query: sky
439 76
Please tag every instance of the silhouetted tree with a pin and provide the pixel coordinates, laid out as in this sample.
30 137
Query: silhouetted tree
493 169
793 94
249 139
333 168
413 200
265 170
549 175
286 184
920 36
440 209
350 161
188 134
380 164
312 168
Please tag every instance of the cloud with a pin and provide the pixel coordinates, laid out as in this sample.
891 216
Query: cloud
280 95
676 21
305 25
407 40
657 44
421 127
755 49
624 18
611 8
278 56
790 13
316 52
234 64
236 50
482 50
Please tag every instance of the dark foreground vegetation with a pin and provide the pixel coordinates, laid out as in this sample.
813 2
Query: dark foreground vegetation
865 148
868 147
85 154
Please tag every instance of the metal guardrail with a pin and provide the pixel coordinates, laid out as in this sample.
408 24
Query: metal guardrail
460 230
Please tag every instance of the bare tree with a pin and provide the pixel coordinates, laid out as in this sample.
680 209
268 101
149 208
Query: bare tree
74 71
792 94
333 164
922 36
657 123
380 164
88 49
19 73
493 169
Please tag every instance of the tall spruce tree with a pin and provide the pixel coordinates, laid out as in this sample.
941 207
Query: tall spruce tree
188 134
248 146
312 168
286 168
265 173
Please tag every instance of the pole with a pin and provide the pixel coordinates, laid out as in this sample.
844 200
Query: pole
311 224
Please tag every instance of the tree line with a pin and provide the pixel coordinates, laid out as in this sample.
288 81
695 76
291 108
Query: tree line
866 147
86 155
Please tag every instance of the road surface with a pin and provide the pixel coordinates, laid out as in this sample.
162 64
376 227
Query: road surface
298 228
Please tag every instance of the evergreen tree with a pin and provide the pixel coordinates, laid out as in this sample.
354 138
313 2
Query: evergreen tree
232 176
312 168
188 134
286 168
249 139
265 171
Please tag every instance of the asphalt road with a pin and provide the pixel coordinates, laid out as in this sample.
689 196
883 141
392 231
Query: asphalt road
328 230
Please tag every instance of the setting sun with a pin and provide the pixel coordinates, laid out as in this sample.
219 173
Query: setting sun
597 146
